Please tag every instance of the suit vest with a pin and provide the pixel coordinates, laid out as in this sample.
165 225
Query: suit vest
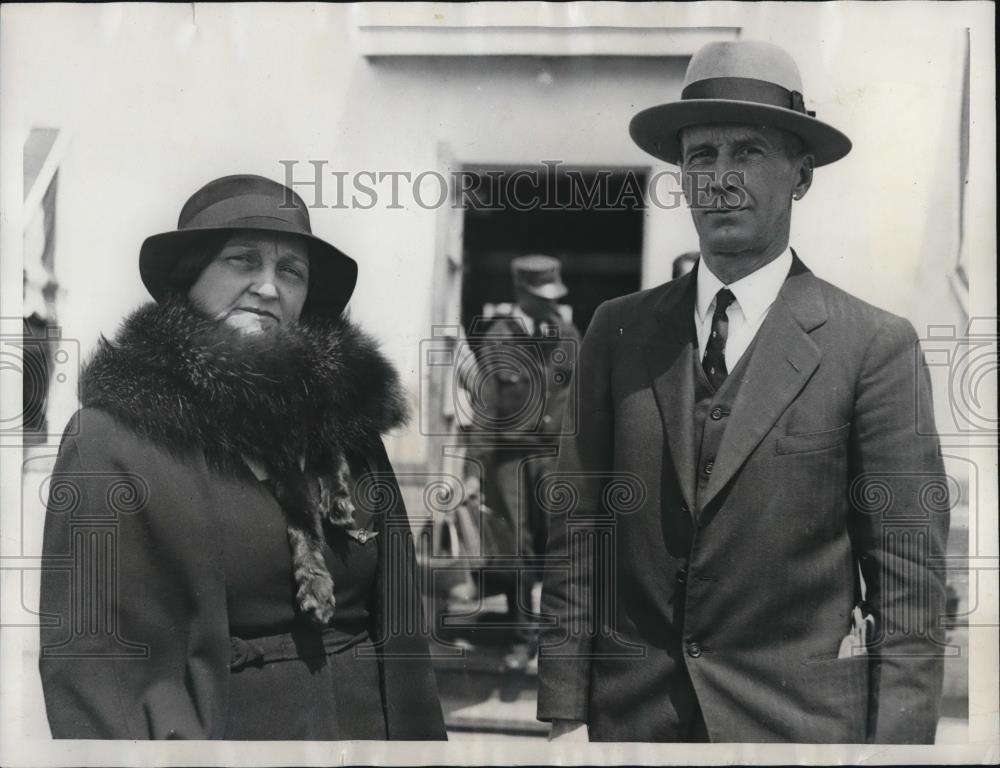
711 414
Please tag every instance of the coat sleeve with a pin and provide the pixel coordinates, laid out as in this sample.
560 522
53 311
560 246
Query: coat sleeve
133 641
900 514
568 586
401 628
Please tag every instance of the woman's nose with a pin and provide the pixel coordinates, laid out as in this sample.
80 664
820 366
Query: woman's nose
264 287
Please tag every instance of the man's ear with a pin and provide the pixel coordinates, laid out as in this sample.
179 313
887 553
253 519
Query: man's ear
807 163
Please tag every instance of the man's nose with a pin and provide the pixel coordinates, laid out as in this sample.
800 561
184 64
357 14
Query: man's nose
723 172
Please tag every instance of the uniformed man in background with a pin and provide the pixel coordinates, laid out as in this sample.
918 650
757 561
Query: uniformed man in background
526 361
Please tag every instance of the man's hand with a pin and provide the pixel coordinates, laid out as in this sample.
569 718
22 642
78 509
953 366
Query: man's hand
568 730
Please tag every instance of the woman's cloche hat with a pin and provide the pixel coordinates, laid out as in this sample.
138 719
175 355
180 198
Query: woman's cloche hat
244 202
747 82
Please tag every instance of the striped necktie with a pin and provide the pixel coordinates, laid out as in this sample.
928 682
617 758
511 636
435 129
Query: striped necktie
714 361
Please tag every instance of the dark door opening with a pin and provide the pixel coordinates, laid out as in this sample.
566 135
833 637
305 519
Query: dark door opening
590 219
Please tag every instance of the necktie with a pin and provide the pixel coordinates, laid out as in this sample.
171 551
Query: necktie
714 362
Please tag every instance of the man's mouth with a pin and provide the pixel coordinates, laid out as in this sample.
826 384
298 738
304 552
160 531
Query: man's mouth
721 208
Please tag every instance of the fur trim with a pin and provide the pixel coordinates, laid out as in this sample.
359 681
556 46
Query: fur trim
292 399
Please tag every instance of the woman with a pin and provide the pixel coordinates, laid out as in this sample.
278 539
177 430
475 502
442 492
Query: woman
237 556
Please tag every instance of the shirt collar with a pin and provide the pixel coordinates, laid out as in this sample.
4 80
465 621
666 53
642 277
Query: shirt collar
755 293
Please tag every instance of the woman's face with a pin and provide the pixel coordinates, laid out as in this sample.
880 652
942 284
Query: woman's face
258 281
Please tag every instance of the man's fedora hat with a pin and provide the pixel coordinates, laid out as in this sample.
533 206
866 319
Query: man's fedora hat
539 275
245 202
748 82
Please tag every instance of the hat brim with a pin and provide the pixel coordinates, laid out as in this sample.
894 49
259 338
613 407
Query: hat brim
657 129
332 273
546 291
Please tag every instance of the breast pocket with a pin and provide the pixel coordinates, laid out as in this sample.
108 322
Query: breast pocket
813 441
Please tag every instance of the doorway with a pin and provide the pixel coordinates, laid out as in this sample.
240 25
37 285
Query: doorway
589 218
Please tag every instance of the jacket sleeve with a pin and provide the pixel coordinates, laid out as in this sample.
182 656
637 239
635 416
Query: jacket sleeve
568 591
133 640
409 687
900 514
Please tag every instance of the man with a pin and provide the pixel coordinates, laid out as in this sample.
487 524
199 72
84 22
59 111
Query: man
526 361
771 575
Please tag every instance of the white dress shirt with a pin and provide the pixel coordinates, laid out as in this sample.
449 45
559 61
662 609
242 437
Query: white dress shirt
755 294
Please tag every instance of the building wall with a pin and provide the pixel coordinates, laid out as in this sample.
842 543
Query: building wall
162 99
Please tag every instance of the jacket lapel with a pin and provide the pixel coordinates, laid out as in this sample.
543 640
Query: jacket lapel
783 360
669 356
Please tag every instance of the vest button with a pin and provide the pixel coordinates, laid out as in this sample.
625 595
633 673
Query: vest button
694 650
709 465
682 576
716 414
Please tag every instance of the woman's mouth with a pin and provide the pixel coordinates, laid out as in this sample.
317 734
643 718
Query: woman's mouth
256 311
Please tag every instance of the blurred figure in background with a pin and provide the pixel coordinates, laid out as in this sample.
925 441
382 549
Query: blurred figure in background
527 368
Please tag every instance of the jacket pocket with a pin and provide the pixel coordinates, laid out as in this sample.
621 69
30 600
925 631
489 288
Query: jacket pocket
813 441
839 698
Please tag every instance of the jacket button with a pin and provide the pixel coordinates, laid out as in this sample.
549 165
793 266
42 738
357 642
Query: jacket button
685 510
682 576
694 650
709 465
716 414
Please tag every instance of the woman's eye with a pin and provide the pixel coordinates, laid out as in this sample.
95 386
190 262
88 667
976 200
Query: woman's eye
294 271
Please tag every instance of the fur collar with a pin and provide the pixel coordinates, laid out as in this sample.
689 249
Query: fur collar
187 382
311 392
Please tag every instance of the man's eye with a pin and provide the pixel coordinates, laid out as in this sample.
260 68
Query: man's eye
238 258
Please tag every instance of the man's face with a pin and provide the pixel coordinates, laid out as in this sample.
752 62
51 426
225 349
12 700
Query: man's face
536 307
739 181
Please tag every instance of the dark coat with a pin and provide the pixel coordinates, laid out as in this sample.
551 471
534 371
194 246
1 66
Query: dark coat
170 548
528 379
735 594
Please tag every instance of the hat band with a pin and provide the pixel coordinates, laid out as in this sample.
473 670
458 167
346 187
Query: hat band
236 210
746 89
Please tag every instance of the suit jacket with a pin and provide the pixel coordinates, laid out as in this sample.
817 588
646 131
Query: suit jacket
736 596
